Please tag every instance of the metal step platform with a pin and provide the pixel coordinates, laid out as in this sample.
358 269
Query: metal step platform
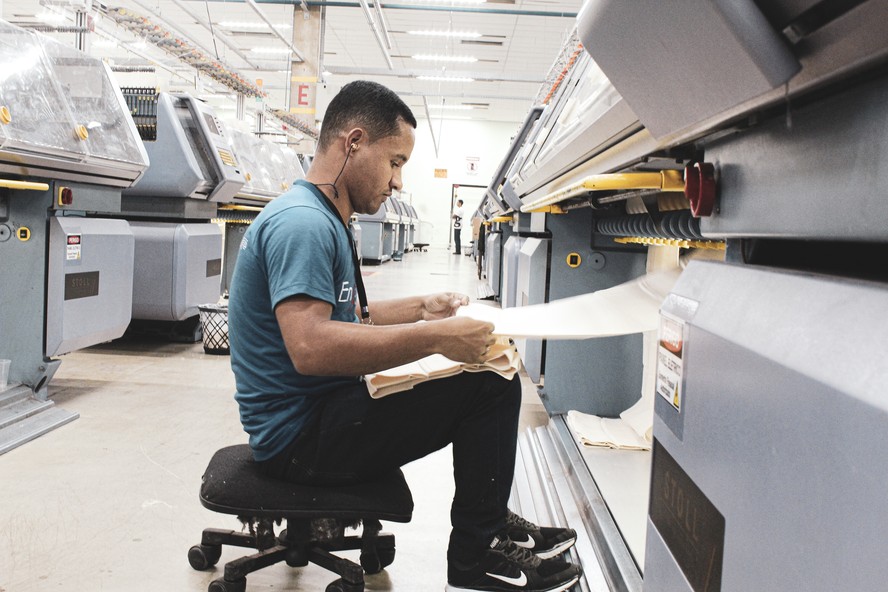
553 486
23 417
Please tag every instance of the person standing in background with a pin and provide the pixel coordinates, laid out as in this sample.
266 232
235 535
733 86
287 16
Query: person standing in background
457 226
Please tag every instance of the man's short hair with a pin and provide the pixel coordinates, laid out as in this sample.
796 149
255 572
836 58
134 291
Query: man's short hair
459 202
364 104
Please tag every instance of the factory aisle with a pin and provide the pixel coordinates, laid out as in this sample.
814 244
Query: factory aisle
110 501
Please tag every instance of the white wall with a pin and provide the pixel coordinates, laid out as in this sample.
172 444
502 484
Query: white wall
458 140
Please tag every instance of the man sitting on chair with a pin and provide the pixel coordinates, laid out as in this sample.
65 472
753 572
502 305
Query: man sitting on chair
299 351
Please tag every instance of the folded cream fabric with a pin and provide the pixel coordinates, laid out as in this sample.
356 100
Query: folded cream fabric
502 359
632 307
606 432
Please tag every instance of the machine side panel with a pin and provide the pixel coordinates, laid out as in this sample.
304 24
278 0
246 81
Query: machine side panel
781 421
831 155
198 272
530 281
22 291
153 274
90 282
598 376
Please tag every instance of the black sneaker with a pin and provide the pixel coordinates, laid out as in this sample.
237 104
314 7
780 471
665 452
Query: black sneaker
505 567
543 541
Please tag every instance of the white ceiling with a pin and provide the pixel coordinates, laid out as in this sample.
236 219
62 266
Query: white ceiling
519 44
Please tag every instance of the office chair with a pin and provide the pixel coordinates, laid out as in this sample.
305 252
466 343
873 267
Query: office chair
316 518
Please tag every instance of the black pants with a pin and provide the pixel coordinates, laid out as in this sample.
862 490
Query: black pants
457 236
356 437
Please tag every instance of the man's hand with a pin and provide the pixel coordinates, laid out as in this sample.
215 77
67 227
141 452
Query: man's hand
442 306
466 340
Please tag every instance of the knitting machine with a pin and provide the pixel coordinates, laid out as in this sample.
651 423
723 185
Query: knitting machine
741 141
67 147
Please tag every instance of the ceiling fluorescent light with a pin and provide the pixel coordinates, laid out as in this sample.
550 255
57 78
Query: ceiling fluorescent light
451 34
445 78
443 58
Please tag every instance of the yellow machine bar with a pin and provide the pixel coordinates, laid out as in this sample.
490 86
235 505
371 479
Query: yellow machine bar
25 185
500 219
667 180
241 208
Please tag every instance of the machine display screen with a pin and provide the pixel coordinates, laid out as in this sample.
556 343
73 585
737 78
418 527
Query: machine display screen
691 526
211 123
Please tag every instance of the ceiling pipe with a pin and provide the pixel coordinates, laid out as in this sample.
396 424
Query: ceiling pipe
425 104
379 40
380 19
274 30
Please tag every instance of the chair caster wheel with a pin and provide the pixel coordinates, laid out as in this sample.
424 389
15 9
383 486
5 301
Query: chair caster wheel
202 557
221 585
378 559
342 586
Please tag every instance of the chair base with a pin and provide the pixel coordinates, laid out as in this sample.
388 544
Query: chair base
316 518
296 546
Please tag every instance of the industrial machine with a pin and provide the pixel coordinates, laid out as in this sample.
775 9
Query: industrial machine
269 169
99 241
744 142
407 225
379 233
178 249
401 228
67 148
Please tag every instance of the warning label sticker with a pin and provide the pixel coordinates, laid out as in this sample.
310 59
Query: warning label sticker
669 360
72 249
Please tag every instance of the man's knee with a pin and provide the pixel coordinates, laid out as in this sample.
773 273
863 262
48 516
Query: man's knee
508 391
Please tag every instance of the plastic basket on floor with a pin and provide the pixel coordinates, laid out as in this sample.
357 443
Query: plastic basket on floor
214 322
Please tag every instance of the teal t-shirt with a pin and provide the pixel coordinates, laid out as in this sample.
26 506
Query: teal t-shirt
296 246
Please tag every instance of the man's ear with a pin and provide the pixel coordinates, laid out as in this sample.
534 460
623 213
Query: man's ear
354 139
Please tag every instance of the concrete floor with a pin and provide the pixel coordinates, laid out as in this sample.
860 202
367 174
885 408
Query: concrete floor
110 501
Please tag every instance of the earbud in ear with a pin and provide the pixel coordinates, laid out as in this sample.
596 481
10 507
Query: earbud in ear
354 146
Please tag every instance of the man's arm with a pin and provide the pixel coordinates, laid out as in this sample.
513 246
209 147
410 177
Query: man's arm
319 346
416 308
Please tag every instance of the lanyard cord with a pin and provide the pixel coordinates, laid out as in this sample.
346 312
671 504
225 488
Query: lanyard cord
359 281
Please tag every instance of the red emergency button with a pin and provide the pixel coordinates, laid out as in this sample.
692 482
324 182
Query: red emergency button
700 188
66 196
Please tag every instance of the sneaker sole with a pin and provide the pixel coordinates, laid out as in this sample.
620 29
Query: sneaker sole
557 588
557 549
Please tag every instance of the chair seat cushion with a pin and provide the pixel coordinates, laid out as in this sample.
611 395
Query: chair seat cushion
234 484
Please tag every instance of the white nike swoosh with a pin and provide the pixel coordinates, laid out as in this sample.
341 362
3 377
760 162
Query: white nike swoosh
528 544
520 581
